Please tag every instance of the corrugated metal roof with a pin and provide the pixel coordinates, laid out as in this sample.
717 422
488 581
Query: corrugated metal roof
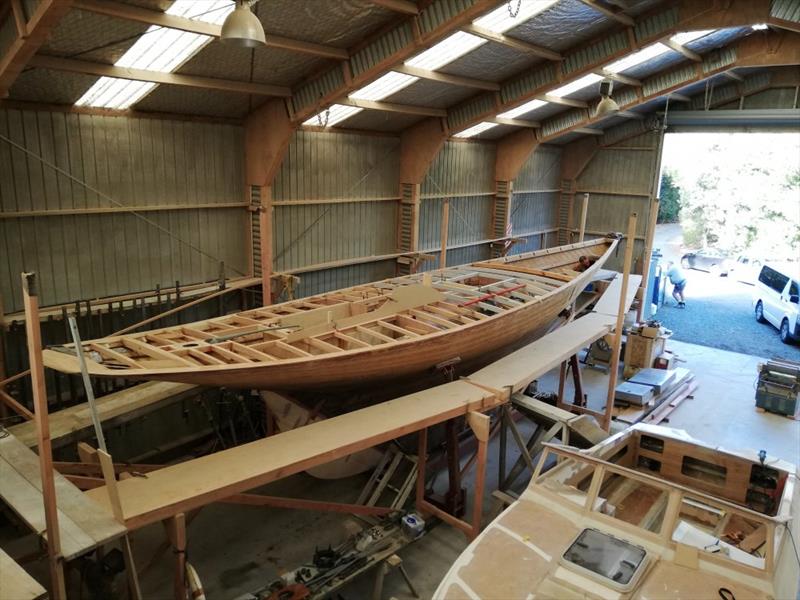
431 93
563 25
491 62
376 120
718 38
659 63
341 23
50 87
198 101
496 132
269 65
94 37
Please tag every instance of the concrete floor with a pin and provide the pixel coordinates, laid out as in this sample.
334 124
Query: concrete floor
237 549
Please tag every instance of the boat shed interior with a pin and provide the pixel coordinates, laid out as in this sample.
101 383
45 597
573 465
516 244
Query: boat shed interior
297 297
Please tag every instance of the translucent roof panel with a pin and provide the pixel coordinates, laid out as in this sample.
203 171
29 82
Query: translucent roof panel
335 114
522 109
578 84
505 17
474 130
160 49
384 86
446 51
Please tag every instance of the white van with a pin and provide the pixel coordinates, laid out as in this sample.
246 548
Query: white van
776 300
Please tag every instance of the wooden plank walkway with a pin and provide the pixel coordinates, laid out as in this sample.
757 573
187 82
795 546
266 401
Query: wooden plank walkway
185 486
83 524
68 425
15 583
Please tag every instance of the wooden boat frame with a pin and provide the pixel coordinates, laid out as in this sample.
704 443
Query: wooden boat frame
394 328
578 486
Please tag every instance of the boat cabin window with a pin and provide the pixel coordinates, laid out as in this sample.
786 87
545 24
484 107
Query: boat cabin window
632 501
718 530
615 560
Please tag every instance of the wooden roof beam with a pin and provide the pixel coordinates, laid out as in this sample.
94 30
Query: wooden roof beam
562 101
775 49
110 8
515 122
103 70
734 76
445 78
692 15
618 77
406 109
587 131
401 6
511 42
36 30
690 54
615 12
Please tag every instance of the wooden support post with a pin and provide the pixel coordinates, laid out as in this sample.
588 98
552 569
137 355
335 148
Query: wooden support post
479 423
265 230
503 447
577 380
176 530
422 459
34 334
445 226
584 210
648 254
109 475
613 371
562 380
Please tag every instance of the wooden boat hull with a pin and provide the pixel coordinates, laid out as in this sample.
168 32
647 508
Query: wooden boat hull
468 344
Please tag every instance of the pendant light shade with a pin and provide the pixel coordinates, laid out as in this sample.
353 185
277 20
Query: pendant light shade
607 105
242 28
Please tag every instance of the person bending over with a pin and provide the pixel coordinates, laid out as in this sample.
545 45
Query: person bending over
678 279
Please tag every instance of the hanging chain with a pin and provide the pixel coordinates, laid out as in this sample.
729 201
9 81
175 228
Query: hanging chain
511 12
326 112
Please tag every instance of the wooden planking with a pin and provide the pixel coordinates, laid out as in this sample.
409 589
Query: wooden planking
95 255
185 486
82 525
68 425
15 583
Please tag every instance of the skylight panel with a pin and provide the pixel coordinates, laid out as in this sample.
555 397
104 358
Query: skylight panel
446 51
384 86
578 84
637 58
690 36
500 19
160 49
475 130
336 114
521 110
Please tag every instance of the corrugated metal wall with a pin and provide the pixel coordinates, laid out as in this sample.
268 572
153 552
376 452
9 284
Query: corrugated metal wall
464 173
619 180
81 249
336 198
535 203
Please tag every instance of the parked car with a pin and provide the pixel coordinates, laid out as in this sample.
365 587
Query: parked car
747 268
708 259
776 300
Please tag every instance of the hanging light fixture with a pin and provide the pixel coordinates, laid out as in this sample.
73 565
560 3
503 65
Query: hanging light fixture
242 28
607 105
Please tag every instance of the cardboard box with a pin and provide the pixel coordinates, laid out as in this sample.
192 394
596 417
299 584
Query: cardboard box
650 332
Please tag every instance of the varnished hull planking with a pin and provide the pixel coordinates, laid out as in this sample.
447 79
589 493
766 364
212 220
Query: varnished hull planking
471 315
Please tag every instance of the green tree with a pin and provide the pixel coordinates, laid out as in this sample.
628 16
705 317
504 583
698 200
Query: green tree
669 208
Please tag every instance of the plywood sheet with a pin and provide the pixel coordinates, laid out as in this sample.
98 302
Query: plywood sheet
82 524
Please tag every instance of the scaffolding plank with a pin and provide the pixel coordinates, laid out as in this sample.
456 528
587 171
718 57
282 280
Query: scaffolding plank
83 525
185 486
15 583
67 425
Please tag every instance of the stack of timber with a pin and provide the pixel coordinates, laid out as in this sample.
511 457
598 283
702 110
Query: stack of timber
389 330
658 408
